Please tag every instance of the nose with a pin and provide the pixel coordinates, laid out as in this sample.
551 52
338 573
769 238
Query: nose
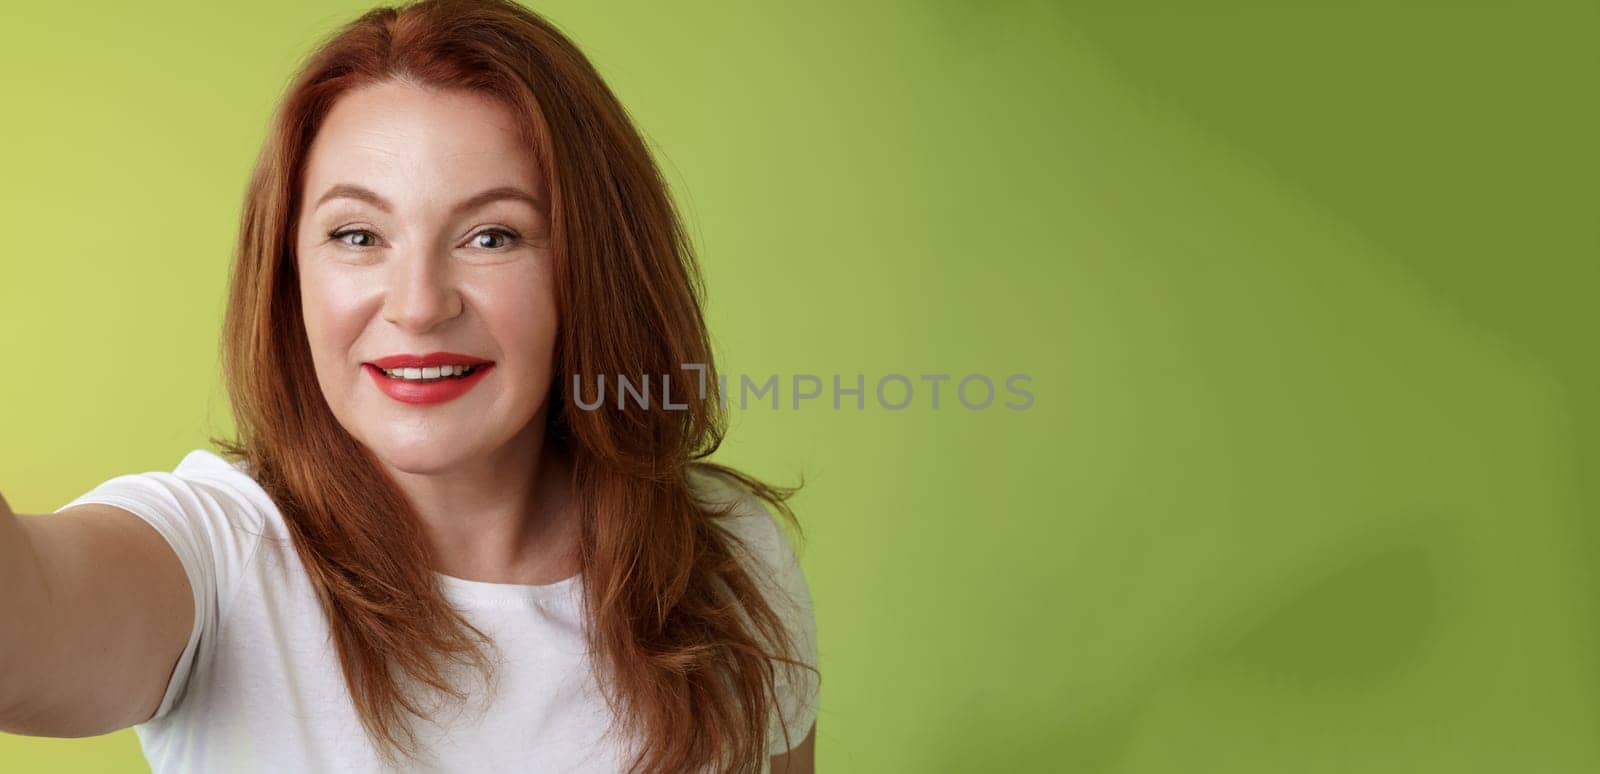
421 294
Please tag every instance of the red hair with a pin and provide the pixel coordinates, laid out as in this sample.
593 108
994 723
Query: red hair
686 643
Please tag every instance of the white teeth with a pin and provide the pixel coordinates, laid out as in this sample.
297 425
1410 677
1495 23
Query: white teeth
431 372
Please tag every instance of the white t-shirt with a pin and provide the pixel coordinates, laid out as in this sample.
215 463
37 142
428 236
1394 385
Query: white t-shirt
259 688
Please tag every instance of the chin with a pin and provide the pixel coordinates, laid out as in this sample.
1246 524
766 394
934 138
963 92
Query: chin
417 465
419 456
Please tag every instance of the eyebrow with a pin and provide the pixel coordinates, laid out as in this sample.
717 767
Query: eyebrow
352 191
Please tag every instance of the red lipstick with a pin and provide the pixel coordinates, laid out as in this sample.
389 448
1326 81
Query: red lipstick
438 390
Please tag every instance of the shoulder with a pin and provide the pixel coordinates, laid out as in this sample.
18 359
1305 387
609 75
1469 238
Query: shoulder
770 552
231 479
201 486
760 538
211 511
747 518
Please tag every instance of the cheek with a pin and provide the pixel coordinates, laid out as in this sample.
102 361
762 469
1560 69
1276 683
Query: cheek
520 311
331 305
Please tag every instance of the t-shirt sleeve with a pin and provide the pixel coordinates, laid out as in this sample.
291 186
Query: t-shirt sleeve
206 511
779 572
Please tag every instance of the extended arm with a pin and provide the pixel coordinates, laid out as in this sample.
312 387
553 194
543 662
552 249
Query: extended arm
95 610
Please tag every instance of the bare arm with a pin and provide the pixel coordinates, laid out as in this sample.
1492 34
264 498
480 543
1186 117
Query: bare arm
800 759
95 609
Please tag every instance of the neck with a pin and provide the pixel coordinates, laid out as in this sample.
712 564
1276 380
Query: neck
502 519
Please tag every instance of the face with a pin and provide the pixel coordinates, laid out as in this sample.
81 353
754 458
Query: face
423 228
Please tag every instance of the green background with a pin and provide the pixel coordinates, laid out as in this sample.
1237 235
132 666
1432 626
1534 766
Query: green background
1306 292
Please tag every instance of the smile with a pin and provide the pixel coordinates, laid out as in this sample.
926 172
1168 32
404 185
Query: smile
423 386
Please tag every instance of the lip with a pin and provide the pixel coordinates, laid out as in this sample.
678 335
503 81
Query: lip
426 393
425 361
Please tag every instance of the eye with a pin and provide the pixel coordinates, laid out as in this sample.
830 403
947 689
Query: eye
370 239
487 238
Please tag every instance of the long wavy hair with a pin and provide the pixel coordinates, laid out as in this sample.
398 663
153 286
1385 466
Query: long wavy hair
685 644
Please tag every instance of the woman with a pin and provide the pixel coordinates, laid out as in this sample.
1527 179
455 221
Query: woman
420 553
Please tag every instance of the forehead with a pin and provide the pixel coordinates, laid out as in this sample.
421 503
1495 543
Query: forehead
420 144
